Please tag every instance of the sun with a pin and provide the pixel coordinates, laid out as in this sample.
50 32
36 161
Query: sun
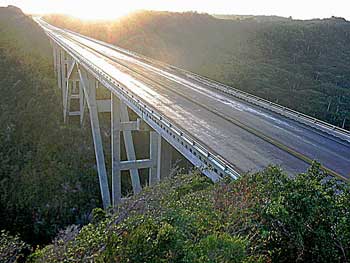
102 9
84 9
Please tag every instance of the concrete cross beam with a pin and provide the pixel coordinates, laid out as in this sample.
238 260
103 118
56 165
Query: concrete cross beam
139 164
70 74
130 149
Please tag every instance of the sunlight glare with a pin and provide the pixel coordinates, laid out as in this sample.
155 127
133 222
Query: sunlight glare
85 9
103 10
110 9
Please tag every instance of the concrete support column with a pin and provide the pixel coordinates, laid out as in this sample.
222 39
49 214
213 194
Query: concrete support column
115 127
154 171
66 93
59 68
81 103
70 85
54 57
63 83
90 95
130 149
63 68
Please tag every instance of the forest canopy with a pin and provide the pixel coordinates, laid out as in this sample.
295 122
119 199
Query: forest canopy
47 169
49 193
304 65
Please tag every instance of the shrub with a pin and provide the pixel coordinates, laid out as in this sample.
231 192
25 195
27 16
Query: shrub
218 248
304 219
12 249
262 217
152 241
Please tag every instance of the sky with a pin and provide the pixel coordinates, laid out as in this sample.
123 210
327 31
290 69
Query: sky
108 9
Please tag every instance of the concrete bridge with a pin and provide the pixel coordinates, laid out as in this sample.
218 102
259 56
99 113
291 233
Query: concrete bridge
219 129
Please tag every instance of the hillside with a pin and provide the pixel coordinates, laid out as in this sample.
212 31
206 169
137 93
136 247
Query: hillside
255 18
48 186
47 174
264 217
300 64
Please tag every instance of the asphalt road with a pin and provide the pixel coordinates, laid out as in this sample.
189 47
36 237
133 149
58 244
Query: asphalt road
245 135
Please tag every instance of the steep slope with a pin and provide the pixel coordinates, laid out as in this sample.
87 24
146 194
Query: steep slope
47 173
264 217
300 64
48 180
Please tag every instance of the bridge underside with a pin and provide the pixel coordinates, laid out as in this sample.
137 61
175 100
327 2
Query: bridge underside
218 129
80 93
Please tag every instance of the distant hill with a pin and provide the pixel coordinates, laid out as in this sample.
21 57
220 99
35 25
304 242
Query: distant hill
304 65
254 18
22 32
48 175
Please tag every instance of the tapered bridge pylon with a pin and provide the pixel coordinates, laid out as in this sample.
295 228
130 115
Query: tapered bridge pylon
78 89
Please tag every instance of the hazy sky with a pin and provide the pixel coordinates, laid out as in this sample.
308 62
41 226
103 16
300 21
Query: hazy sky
302 9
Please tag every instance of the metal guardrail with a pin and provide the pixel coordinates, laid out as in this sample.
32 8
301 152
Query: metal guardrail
313 122
203 155
211 162
282 110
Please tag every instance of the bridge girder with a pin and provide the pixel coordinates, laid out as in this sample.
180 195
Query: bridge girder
70 75
209 163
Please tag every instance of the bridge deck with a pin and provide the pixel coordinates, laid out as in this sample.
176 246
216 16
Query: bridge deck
247 136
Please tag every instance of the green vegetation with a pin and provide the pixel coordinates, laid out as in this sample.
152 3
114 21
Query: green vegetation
263 217
47 174
303 65
12 248
48 177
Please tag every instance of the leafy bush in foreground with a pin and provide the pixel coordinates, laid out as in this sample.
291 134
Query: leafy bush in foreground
262 217
304 219
12 249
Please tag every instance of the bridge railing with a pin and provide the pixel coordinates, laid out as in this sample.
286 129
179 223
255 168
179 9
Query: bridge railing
282 110
313 122
212 164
